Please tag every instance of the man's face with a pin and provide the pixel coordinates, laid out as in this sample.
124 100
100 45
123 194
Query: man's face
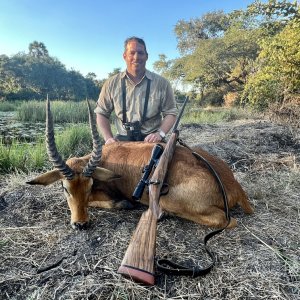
135 57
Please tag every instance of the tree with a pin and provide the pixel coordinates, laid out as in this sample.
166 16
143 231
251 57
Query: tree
38 49
278 69
209 26
114 72
219 51
36 74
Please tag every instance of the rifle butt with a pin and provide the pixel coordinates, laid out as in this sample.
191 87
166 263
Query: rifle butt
138 261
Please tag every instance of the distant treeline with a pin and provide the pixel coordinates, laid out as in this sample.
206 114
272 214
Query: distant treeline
245 57
35 74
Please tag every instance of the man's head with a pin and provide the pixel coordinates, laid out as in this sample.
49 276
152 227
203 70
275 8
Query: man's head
135 54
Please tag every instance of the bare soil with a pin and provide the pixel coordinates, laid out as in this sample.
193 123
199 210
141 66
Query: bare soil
42 257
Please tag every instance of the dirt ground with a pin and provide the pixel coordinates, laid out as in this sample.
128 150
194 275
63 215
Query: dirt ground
42 257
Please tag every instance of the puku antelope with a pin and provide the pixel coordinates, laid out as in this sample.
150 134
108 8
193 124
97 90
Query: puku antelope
107 177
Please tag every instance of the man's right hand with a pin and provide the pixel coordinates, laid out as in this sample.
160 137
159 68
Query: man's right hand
110 140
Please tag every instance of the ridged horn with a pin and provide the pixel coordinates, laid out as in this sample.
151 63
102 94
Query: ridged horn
96 154
53 154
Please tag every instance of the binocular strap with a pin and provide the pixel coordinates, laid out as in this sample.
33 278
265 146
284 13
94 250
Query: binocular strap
123 84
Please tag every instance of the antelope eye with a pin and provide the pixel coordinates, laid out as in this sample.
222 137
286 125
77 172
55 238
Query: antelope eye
66 191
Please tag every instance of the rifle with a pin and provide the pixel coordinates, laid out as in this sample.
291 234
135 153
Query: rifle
153 162
138 261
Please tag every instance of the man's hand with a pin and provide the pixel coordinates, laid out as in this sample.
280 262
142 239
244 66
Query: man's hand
110 140
153 138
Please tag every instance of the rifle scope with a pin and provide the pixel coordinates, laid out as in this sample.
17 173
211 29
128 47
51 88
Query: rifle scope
155 155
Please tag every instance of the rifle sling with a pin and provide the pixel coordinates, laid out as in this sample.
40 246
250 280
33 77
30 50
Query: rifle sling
168 267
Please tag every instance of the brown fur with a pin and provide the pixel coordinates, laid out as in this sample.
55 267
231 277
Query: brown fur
193 191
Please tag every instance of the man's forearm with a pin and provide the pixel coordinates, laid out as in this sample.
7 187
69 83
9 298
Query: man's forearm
104 126
167 123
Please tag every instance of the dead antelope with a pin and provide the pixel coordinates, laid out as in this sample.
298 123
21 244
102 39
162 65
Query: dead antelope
108 179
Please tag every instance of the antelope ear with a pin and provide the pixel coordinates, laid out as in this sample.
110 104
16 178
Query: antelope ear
103 174
46 178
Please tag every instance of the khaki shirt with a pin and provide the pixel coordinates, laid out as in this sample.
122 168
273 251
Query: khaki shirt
161 101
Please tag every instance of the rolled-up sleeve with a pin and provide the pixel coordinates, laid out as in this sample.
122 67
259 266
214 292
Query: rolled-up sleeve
104 104
169 104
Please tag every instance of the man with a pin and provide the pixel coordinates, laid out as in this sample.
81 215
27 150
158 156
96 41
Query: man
143 101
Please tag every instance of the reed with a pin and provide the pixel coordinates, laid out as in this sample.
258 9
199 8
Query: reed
63 111
7 106
17 156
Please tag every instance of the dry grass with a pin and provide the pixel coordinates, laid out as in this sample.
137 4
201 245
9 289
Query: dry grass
43 258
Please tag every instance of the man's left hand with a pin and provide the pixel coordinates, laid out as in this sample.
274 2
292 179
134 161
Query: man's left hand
153 138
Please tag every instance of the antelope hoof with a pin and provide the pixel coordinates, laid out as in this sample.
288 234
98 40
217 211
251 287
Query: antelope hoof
80 225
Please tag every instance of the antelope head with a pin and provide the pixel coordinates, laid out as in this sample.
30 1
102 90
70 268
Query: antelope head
77 174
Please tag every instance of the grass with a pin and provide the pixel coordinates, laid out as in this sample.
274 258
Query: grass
259 259
63 112
75 140
212 115
21 156
7 106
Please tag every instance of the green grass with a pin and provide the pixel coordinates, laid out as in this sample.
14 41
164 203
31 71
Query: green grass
75 140
213 115
19 156
7 106
62 111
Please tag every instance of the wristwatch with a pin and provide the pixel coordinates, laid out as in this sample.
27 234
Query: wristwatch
161 133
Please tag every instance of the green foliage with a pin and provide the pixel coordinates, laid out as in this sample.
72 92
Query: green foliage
278 69
73 141
36 74
37 49
246 49
209 26
62 111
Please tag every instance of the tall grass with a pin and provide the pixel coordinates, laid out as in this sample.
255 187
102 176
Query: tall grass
73 141
7 106
62 111
213 115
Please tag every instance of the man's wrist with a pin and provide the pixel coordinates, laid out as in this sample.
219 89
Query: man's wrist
161 133
109 140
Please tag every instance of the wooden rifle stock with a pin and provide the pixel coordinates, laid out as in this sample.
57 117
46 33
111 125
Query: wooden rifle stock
138 262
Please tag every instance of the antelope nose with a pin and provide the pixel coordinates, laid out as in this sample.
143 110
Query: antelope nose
80 225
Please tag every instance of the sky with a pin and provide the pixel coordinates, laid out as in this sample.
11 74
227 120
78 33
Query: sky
88 35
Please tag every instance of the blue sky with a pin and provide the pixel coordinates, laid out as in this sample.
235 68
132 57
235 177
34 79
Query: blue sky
88 35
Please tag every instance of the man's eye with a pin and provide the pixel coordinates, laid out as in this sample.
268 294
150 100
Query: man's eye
138 52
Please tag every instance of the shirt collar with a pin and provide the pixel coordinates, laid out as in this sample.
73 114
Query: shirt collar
148 74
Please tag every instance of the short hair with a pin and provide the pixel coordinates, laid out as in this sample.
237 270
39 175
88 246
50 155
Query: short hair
137 39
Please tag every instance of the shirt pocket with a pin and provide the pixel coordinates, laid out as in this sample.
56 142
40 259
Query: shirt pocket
154 104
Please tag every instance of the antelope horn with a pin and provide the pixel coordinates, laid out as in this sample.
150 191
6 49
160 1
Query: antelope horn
96 154
53 154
